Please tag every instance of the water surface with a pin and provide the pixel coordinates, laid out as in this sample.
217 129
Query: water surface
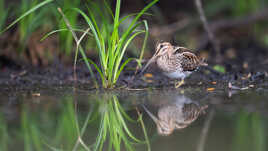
183 119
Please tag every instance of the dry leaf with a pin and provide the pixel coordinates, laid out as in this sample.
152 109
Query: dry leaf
210 89
148 75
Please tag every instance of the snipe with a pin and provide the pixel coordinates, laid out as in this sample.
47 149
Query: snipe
175 62
177 115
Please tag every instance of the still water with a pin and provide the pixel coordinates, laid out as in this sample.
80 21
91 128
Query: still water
157 120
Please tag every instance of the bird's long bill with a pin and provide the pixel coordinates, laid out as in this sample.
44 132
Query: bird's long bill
148 63
155 119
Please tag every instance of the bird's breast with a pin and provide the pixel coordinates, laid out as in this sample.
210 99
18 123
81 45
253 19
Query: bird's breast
177 74
167 64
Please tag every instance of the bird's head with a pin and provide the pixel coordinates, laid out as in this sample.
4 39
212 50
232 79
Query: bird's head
161 49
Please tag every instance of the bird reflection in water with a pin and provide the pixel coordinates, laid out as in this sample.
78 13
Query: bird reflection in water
176 115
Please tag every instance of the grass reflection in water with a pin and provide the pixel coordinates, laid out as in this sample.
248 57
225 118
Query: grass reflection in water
102 124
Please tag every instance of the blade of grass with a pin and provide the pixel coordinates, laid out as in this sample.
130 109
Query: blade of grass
60 30
27 13
145 39
126 115
130 15
100 134
121 68
52 148
97 68
100 36
121 120
108 8
137 17
118 61
80 48
122 42
96 36
144 129
35 135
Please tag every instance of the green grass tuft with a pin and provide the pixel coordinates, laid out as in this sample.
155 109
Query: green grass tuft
112 45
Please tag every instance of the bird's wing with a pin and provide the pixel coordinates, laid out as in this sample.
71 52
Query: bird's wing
181 50
189 61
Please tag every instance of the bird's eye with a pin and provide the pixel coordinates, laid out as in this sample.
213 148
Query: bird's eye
161 46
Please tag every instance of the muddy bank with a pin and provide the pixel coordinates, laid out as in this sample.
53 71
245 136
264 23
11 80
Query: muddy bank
244 65
29 78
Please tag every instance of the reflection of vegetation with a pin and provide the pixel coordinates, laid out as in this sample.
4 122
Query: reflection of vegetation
3 134
113 125
112 128
30 133
250 133
61 130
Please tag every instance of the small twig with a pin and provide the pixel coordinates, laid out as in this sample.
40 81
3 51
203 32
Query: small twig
83 144
76 52
144 130
77 42
75 38
204 132
68 24
211 36
81 133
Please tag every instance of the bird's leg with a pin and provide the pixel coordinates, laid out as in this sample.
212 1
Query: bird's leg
179 83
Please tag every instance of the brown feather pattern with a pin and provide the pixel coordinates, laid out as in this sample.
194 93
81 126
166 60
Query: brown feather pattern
182 59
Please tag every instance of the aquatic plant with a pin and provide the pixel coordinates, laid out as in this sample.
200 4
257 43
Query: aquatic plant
30 132
112 45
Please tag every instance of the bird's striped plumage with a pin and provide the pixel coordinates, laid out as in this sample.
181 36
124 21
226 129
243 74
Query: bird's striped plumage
175 62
